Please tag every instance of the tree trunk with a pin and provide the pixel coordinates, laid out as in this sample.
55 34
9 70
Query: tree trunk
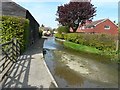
75 28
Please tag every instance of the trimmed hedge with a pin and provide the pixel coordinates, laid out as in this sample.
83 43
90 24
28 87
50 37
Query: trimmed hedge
58 35
103 42
15 27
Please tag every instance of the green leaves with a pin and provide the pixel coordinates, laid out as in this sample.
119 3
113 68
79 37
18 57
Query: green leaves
14 27
102 42
63 29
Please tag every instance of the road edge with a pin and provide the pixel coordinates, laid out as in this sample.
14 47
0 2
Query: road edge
55 83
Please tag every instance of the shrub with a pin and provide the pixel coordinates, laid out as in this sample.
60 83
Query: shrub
102 42
15 27
58 35
63 29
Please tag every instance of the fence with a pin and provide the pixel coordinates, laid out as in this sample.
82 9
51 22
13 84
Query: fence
9 54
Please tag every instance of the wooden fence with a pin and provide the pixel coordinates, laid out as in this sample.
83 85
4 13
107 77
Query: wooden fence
9 55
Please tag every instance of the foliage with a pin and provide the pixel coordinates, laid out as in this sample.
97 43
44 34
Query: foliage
63 29
119 44
101 42
40 33
58 35
15 27
73 13
82 48
42 25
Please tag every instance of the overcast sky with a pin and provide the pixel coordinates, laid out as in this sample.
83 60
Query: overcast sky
44 10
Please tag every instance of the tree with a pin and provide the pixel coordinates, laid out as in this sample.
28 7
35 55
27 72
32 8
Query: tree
42 25
74 13
63 29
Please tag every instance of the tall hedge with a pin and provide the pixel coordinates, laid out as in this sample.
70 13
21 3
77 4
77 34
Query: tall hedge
14 27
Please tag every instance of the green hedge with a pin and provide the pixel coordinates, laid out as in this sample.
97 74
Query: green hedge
58 35
63 29
103 42
15 27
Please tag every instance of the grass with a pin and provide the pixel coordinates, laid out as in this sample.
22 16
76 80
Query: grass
87 49
82 48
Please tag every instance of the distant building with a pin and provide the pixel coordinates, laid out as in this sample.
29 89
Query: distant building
99 26
13 9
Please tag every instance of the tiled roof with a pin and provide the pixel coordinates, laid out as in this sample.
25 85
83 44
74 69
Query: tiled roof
94 23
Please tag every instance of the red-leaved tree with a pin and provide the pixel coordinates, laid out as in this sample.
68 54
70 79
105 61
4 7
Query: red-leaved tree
74 13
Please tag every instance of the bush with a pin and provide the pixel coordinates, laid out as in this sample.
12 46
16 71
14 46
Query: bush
58 35
63 29
102 42
15 27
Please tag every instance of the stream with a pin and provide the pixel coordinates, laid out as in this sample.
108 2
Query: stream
73 69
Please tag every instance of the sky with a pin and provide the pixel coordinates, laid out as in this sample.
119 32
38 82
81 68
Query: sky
44 11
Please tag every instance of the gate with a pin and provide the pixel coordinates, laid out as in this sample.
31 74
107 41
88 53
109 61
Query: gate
9 55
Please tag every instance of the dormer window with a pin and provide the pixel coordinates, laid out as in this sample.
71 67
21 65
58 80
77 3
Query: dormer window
106 27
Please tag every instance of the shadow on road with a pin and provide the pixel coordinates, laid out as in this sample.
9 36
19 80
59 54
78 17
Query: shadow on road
18 74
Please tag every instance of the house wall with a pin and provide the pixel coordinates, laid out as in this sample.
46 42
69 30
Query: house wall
100 28
34 28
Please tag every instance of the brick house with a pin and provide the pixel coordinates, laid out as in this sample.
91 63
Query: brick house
13 9
99 26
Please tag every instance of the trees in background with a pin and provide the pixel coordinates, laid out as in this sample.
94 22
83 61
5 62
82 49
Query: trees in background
63 29
46 31
73 13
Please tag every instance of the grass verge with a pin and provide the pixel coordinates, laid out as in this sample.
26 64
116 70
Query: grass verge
82 48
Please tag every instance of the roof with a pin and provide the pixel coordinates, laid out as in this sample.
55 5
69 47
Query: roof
94 23
13 9
14 3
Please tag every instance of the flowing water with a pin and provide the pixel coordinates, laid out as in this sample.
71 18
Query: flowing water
73 69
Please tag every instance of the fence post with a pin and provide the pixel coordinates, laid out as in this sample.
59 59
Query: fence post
15 49
13 56
117 45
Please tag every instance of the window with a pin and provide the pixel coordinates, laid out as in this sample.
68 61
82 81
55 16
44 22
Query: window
106 27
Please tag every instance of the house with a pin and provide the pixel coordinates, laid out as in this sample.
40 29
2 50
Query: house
13 9
99 26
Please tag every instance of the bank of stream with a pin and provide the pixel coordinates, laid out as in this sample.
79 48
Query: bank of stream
79 70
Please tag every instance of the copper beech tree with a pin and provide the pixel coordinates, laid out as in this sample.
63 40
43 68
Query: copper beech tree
74 13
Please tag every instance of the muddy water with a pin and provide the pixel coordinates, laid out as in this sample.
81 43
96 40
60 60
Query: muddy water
79 70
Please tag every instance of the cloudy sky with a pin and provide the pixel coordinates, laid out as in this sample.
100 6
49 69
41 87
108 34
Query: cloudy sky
44 10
